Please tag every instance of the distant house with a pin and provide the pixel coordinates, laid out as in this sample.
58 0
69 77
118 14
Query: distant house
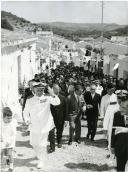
122 70
113 48
119 38
44 33
117 54
87 39
99 39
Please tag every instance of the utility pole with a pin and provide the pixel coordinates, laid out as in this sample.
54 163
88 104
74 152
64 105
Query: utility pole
102 23
102 34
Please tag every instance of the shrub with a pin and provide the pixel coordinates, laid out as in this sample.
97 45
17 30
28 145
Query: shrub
6 25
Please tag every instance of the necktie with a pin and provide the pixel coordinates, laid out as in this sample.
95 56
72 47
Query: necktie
78 99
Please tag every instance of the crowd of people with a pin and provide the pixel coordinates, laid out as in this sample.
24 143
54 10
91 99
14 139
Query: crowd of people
66 95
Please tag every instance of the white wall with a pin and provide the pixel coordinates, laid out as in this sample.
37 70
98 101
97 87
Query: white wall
123 66
9 81
28 63
9 72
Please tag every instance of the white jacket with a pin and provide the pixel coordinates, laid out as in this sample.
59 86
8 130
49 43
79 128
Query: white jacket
37 112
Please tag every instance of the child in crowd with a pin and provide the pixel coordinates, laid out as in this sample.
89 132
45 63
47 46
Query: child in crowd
8 136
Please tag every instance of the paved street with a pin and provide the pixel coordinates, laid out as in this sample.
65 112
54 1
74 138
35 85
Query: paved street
86 156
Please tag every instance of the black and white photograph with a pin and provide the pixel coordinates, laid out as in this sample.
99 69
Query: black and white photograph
64 86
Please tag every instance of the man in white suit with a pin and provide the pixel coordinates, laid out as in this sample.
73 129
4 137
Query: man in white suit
38 115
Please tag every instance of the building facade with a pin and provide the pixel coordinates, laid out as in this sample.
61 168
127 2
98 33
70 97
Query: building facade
18 66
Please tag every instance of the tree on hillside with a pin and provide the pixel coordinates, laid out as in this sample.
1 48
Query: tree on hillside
6 25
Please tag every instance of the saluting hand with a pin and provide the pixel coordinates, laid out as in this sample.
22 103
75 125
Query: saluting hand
50 91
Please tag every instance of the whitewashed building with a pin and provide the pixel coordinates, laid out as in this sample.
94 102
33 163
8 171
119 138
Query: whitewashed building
45 33
116 54
119 38
18 64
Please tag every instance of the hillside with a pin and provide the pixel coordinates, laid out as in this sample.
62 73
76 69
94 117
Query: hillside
14 21
83 26
72 31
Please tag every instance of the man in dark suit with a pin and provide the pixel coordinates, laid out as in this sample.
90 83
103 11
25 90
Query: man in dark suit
92 100
74 115
59 114
119 138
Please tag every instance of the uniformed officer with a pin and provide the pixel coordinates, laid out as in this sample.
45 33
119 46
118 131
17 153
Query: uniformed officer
37 114
120 131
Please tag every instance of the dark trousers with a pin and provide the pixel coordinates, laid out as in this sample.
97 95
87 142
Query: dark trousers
52 138
92 127
121 150
121 162
75 127
59 131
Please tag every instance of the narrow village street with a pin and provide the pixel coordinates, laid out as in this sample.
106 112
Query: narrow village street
61 60
86 156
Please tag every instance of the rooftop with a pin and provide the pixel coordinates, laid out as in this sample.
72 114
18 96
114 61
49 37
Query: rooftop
14 37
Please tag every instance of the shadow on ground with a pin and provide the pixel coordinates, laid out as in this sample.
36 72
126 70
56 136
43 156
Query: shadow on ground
23 144
101 143
24 162
89 166
97 143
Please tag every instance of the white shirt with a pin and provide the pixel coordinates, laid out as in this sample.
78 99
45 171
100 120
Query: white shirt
37 111
77 97
8 134
104 103
92 95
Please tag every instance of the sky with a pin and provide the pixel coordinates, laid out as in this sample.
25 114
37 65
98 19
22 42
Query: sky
68 11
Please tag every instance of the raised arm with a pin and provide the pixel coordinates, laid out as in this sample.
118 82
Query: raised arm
54 100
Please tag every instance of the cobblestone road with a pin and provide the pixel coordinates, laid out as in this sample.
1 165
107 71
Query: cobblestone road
86 156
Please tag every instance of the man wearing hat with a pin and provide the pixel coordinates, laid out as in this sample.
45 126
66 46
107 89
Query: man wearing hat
119 139
38 115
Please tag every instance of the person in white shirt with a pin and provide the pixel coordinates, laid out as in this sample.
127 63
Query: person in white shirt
99 88
112 108
37 113
106 100
8 136
107 108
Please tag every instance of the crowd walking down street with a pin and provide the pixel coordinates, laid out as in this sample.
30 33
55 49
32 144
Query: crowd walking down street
72 120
